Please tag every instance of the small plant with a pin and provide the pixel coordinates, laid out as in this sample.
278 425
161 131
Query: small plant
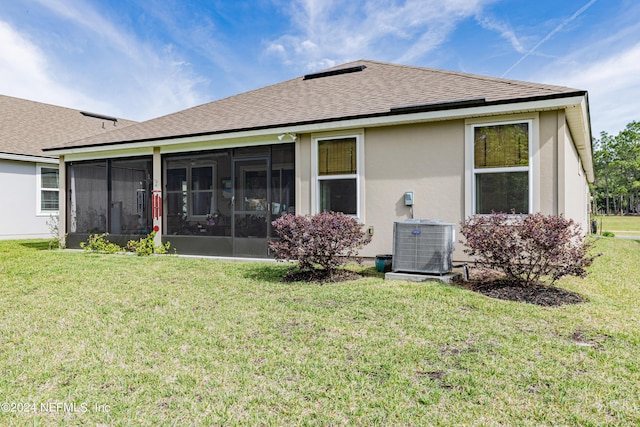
608 234
529 247
323 241
147 246
99 243
56 241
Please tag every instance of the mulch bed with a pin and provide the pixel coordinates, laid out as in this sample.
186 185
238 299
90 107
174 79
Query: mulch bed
483 281
493 285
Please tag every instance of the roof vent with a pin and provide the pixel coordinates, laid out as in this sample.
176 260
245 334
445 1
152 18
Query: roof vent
98 116
432 106
336 72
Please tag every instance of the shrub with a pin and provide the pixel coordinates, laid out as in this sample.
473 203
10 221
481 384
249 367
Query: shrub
608 234
320 241
99 243
147 246
528 247
144 246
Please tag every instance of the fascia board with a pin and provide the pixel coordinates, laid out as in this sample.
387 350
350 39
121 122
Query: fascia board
27 158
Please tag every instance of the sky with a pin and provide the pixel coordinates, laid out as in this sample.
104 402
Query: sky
140 59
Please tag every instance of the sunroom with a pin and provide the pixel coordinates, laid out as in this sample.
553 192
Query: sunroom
214 202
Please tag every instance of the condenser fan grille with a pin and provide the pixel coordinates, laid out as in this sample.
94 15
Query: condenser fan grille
423 246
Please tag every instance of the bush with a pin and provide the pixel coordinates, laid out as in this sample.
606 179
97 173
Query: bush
608 234
528 247
147 246
99 243
320 241
144 246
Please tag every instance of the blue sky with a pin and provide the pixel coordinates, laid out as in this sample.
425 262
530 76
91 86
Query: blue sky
140 59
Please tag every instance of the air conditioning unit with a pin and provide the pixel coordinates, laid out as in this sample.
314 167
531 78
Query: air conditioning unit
423 246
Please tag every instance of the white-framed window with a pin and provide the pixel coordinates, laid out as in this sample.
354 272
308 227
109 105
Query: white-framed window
501 162
47 189
337 170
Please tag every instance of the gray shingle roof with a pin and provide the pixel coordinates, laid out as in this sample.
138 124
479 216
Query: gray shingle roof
374 91
28 126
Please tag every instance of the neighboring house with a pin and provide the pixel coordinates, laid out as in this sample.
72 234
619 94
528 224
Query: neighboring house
353 138
28 176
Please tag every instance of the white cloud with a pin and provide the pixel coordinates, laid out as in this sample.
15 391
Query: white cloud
613 85
504 28
330 31
26 73
84 15
546 38
130 78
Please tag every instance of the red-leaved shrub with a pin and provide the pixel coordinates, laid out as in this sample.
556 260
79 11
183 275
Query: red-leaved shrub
324 240
528 247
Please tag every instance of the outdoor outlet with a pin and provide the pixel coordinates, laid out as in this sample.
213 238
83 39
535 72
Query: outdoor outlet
370 230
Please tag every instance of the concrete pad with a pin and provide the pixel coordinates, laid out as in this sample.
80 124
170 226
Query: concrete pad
415 277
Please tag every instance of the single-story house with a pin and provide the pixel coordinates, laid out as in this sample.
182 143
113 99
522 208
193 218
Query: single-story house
354 138
28 176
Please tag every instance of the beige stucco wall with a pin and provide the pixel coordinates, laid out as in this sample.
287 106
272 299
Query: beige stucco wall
563 184
548 176
573 182
426 159
429 159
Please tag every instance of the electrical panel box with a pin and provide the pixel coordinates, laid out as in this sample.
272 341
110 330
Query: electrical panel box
408 198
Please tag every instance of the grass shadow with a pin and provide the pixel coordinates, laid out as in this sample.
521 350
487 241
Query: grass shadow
275 273
272 273
39 245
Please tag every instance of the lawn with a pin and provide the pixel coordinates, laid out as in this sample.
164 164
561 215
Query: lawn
619 225
89 339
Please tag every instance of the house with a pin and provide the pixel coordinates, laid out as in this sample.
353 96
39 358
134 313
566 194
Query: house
354 138
29 176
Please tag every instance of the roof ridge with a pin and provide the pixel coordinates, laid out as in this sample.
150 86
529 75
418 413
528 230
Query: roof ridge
482 77
62 107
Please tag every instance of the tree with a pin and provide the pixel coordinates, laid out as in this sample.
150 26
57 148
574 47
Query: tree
617 169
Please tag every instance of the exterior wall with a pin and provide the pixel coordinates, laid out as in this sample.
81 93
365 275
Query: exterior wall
548 177
573 182
18 216
427 159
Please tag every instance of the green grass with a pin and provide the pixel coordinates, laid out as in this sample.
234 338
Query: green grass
619 225
180 341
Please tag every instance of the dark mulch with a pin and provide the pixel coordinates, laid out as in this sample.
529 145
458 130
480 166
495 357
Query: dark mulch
491 284
321 276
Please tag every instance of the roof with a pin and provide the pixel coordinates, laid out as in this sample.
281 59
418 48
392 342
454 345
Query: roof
358 89
26 127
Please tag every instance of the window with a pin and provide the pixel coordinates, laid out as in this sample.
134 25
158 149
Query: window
337 174
194 184
501 167
48 189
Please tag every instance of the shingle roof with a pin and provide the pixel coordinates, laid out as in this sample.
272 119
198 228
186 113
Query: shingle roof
376 90
26 127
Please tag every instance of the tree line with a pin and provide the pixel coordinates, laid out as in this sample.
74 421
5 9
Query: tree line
616 159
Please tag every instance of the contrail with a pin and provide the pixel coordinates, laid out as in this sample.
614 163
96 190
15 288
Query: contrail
551 34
